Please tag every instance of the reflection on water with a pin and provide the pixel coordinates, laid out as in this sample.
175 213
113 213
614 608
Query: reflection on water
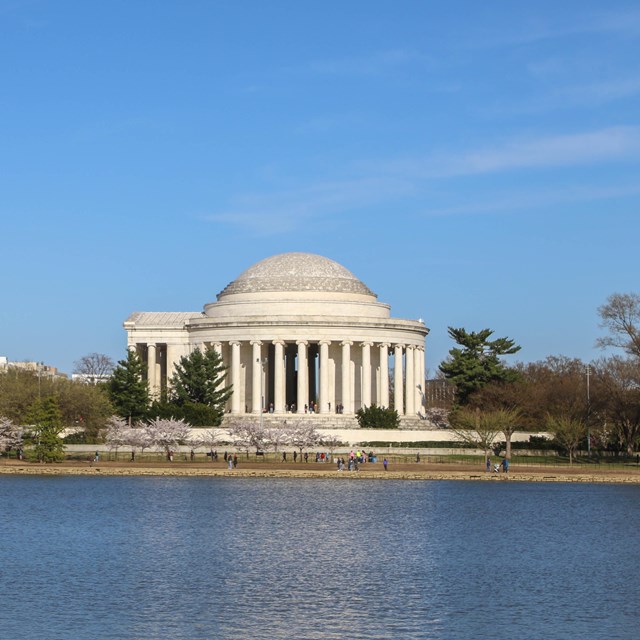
232 558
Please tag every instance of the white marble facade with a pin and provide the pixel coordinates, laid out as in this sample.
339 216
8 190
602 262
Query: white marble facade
298 332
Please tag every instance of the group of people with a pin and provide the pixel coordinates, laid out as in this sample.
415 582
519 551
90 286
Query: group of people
498 465
231 460
356 458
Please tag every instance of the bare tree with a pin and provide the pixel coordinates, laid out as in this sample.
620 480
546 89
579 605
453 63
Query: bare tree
94 367
619 399
620 316
332 442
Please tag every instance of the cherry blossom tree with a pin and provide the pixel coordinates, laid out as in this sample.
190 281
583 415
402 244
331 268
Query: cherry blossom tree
304 436
139 437
10 434
168 433
249 435
208 438
117 433
275 437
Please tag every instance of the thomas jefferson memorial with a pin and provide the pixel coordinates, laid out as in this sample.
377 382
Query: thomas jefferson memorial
299 333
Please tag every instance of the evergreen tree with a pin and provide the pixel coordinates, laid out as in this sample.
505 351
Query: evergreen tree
128 388
478 361
45 419
198 382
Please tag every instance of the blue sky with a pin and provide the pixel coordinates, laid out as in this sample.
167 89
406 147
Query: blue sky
476 164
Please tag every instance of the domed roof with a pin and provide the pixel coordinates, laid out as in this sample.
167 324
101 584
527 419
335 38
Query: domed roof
296 272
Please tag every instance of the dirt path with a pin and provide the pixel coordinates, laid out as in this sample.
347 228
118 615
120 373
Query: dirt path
407 471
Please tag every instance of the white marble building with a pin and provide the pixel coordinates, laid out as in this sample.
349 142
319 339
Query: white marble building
297 331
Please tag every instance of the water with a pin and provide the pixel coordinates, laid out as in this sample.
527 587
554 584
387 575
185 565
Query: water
98 558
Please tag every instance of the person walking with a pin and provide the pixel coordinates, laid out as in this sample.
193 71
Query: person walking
385 462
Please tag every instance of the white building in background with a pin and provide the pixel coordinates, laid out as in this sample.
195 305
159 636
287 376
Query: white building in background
298 332
38 368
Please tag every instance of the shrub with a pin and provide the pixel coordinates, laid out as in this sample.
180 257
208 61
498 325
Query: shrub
374 417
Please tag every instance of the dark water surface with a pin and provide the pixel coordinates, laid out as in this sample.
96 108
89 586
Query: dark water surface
97 558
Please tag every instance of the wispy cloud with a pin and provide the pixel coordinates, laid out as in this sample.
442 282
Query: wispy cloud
394 180
522 153
285 211
625 22
530 199
598 93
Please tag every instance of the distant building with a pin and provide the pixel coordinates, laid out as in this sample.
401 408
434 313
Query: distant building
38 368
88 378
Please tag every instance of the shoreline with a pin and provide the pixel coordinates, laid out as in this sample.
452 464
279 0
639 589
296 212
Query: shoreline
328 471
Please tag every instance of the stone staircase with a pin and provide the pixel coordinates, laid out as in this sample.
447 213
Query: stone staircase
320 421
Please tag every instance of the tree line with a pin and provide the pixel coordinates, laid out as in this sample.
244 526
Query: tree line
593 406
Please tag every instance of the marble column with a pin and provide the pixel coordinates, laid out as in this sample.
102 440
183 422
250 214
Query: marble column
410 406
171 363
278 377
151 369
397 380
256 377
366 374
383 395
346 377
419 379
235 377
302 396
423 377
324 376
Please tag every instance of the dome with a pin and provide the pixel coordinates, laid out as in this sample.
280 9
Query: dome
290 272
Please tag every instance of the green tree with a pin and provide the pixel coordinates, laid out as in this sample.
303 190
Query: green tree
503 400
477 428
198 382
567 431
375 417
45 429
477 362
128 388
85 407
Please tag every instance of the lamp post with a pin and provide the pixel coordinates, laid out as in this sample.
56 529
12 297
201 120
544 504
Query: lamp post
588 374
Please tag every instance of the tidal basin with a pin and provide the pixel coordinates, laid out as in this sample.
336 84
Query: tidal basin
198 557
